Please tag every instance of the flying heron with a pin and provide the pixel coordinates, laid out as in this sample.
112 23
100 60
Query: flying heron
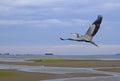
91 32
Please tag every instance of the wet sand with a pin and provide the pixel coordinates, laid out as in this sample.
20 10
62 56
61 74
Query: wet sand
32 76
99 65
110 69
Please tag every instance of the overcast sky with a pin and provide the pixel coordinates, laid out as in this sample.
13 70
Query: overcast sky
34 26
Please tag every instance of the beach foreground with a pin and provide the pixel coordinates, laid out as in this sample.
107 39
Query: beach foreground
91 70
30 76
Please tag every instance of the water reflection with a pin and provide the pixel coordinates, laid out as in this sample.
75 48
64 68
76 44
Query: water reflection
42 69
63 70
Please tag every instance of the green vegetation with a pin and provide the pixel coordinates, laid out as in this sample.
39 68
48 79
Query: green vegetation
59 60
84 62
48 60
6 73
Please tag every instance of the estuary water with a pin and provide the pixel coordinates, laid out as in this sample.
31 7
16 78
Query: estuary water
62 70
23 58
65 70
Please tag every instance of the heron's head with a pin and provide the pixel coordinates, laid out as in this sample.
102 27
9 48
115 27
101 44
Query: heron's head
100 16
76 35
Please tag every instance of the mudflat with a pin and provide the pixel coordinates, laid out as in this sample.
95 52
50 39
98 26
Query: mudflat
32 76
15 75
68 63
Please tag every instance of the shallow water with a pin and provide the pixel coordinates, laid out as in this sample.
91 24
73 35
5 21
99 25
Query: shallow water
13 59
64 70
42 69
112 78
23 58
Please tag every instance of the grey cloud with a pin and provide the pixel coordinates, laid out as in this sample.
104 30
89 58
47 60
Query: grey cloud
52 11
50 8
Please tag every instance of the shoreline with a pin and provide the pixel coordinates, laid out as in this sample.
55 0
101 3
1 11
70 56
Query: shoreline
33 76
84 63
98 65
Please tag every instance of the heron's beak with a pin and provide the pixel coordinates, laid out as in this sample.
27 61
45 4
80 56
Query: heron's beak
98 46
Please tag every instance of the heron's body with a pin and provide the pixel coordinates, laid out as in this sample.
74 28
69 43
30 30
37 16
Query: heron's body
87 37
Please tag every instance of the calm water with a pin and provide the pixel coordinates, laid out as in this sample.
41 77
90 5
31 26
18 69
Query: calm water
22 58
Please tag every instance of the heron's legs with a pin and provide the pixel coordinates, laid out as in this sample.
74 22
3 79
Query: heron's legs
94 43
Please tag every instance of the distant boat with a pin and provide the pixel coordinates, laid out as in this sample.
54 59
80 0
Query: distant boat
6 54
49 54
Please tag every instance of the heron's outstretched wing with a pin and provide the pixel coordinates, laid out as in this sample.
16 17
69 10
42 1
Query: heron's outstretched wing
94 27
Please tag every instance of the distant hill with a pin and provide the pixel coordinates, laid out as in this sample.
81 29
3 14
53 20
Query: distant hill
118 54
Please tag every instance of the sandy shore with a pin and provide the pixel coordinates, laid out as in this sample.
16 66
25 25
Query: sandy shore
32 76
